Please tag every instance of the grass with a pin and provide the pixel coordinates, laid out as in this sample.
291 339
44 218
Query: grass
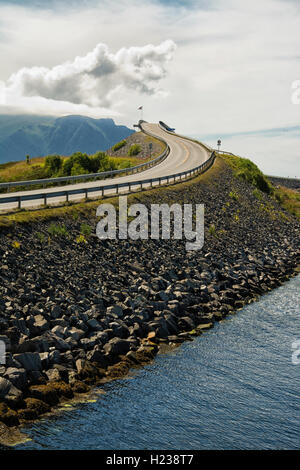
21 171
212 230
257 194
289 199
85 229
58 230
247 170
243 168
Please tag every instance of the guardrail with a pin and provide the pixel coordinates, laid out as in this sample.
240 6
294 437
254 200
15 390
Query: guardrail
130 184
89 176
45 196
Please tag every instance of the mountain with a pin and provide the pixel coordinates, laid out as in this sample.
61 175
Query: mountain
45 135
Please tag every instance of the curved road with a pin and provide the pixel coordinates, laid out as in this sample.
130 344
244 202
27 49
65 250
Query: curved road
184 155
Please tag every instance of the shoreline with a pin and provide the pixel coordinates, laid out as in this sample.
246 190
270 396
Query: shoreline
13 436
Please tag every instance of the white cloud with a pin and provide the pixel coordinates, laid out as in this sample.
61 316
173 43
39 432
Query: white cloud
92 80
232 70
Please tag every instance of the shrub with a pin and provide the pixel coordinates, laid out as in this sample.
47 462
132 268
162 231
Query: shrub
134 150
119 145
80 161
53 164
77 169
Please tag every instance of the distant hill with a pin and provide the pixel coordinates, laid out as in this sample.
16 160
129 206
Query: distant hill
45 135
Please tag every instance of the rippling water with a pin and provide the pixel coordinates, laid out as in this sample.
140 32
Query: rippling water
235 387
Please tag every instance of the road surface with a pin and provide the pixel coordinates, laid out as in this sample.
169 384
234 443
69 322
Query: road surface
184 155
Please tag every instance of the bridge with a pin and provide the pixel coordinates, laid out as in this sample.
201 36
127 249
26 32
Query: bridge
182 159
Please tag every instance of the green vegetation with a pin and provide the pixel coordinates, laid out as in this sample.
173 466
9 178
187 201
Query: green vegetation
212 230
247 170
16 245
289 199
58 230
257 194
244 168
40 236
54 166
134 150
85 229
81 239
119 145
234 195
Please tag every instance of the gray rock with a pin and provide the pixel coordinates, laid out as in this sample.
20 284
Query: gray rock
8 391
115 310
187 323
30 361
45 360
75 333
21 325
72 343
96 355
162 295
58 331
60 344
93 324
88 343
80 363
11 362
5 386
56 311
54 357
18 377
116 346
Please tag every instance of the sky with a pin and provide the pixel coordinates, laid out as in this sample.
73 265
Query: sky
212 69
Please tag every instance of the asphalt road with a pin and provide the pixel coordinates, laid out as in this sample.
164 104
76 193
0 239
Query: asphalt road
184 155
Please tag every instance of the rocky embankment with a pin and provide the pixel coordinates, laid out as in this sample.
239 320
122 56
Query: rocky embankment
77 312
291 183
143 140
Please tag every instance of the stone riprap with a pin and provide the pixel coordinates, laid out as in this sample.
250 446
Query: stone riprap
76 314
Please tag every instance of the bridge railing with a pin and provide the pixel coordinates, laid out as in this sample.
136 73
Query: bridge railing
103 189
